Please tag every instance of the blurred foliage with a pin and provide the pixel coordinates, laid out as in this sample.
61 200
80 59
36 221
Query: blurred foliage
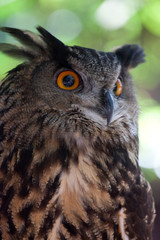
102 25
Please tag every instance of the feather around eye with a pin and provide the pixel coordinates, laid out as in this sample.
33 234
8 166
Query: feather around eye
68 80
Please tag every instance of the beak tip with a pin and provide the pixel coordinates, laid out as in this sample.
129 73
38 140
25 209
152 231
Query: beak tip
108 121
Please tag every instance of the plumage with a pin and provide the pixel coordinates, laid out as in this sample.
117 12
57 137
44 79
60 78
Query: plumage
69 151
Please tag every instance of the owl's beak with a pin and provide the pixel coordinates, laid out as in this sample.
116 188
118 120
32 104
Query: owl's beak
109 105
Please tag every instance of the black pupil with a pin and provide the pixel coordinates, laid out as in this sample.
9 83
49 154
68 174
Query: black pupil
68 81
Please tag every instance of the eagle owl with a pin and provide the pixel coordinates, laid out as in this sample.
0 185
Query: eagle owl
69 144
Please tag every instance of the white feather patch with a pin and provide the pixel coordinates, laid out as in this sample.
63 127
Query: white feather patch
121 224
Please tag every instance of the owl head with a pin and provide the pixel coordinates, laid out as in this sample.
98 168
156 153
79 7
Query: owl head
75 79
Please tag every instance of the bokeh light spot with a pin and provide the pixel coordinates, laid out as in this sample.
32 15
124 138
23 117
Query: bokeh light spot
64 24
5 2
23 20
114 14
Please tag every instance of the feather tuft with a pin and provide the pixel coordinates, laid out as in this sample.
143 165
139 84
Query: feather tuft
130 55
16 51
33 45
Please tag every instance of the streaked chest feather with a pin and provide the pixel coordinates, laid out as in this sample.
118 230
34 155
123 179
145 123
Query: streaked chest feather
72 189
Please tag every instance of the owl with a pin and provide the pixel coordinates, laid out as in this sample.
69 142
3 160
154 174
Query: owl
69 144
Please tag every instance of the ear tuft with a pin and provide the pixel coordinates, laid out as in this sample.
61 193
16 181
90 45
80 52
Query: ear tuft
51 41
33 46
130 55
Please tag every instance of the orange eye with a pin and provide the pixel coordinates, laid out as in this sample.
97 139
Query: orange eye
118 88
68 80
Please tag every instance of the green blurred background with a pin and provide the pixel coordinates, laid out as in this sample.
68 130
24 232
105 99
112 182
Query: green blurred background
103 25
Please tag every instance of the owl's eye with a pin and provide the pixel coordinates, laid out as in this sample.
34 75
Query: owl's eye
68 80
118 88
